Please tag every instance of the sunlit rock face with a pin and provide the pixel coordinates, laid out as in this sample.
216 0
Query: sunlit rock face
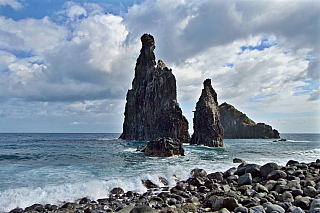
152 109
237 125
207 127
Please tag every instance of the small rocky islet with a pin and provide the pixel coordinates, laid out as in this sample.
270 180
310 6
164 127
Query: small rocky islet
248 188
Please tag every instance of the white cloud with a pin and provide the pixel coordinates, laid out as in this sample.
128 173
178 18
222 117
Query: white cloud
12 3
262 56
74 123
30 35
90 62
314 95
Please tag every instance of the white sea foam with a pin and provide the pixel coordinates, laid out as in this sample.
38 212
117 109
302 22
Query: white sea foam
134 150
93 189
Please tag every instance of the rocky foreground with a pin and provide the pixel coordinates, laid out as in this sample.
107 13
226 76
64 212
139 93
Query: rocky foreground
249 188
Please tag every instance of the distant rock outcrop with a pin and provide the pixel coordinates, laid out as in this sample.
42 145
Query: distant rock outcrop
164 147
237 125
207 127
152 109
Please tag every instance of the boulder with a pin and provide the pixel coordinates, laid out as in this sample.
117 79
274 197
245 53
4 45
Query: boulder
267 168
143 209
303 202
253 169
164 147
216 176
117 191
245 179
269 207
199 174
16 210
152 109
310 191
237 125
276 174
149 184
257 209
315 206
238 160
207 127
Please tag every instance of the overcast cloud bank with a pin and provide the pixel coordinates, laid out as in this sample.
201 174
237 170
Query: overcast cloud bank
71 69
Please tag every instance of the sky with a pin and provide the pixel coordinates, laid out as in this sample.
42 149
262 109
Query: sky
66 66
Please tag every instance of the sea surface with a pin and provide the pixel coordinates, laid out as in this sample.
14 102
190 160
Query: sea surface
55 168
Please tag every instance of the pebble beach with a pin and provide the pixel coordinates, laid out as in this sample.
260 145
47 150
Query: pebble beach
245 188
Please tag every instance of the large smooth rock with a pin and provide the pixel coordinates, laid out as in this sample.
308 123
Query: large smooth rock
164 147
143 209
276 174
207 127
152 109
268 168
315 206
269 207
117 191
245 179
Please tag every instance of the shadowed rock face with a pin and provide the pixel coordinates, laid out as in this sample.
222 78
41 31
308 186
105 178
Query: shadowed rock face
152 110
164 147
208 130
237 125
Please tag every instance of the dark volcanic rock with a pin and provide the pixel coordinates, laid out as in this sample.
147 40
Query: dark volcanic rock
164 147
237 125
152 109
208 130
210 193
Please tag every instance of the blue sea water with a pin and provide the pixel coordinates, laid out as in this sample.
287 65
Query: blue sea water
55 168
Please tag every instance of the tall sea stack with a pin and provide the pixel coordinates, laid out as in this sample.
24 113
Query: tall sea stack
208 130
152 109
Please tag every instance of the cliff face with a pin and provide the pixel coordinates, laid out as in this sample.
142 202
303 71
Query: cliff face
238 125
152 110
207 127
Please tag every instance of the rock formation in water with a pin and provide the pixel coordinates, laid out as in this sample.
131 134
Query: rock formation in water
164 147
237 125
152 109
207 127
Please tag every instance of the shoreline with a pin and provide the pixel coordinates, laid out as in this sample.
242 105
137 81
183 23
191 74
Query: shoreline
245 188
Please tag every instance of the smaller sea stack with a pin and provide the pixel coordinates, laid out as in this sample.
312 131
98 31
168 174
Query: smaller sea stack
237 125
207 127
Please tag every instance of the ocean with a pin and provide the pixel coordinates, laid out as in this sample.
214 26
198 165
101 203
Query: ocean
55 168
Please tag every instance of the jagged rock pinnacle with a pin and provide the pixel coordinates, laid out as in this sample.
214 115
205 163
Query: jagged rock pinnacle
152 110
208 130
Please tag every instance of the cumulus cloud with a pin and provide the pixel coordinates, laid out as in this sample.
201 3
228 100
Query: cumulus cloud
89 62
30 35
262 56
314 95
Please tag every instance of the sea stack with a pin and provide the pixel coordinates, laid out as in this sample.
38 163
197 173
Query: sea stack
152 109
237 125
207 127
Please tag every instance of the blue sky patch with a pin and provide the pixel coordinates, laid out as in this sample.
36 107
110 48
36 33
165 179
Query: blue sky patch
229 65
311 85
264 44
38 9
